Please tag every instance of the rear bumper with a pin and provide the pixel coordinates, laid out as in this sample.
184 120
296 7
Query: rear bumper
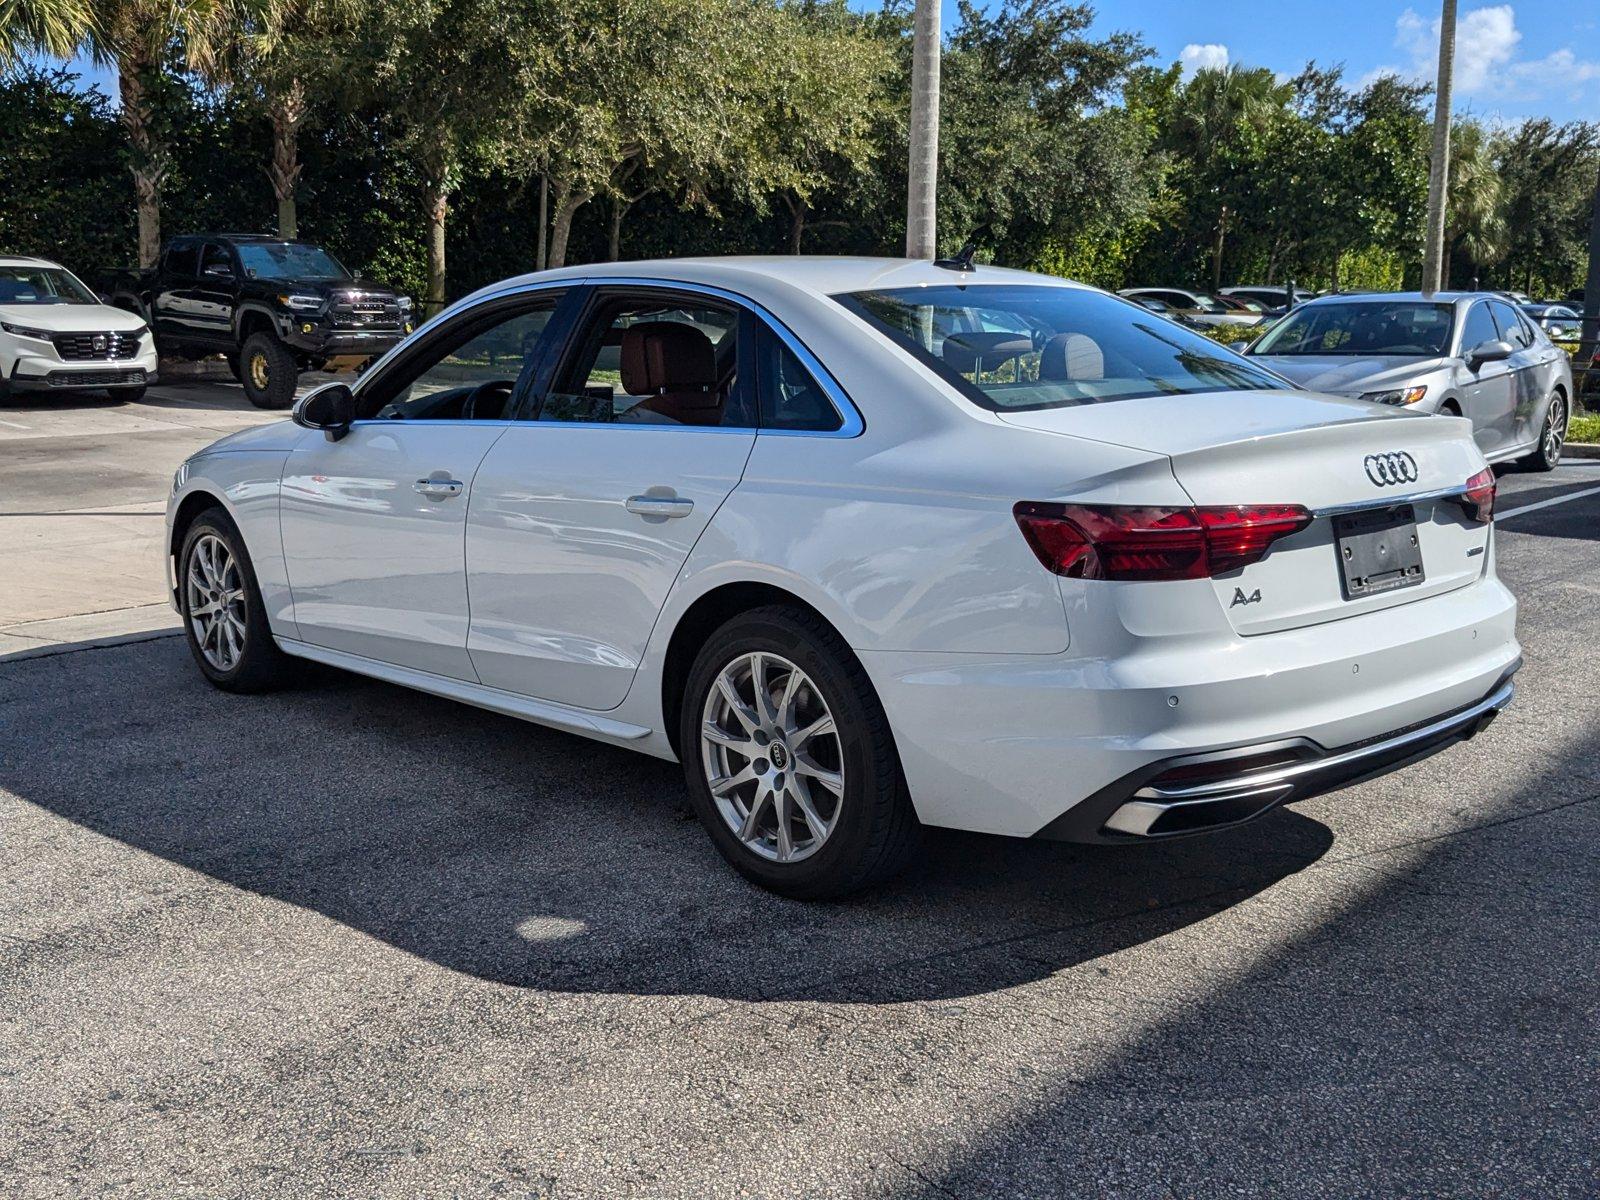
1198 793
1016 744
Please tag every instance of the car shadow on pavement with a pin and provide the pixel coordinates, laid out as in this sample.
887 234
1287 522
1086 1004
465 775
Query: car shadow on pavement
538 859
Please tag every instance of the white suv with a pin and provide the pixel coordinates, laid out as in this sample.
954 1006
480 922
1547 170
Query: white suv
56 335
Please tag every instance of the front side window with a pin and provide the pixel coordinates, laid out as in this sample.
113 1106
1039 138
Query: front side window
654 360
216 260
1480 328
1511 326
1010 347
41 285
289 260
1410 328
469 374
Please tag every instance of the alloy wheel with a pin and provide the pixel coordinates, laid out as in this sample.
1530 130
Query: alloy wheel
214 595
772 757
258 371
1555 429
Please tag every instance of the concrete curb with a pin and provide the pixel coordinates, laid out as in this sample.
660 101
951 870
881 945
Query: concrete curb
1581 450
89 631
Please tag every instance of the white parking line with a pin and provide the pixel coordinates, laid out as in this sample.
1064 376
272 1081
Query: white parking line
1528 508
14 425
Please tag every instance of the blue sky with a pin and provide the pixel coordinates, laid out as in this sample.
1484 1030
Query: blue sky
1523 59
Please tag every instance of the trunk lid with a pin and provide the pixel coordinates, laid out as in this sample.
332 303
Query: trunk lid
1240 448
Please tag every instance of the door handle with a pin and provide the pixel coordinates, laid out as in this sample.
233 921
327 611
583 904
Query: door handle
438 489
660 506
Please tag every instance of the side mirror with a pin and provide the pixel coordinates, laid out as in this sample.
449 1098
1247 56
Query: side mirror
330 408
1239 347
1488 352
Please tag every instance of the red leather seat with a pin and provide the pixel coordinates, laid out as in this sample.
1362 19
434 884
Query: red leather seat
675 367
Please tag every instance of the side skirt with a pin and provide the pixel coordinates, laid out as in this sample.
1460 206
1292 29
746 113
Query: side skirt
541 712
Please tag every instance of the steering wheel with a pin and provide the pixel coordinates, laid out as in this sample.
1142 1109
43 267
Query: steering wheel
482 395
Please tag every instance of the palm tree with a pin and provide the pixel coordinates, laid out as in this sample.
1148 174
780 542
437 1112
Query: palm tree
923 186
136 38
295 56
1475 225
55 27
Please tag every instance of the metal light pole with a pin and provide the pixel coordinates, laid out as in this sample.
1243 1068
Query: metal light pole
922 187
1439 168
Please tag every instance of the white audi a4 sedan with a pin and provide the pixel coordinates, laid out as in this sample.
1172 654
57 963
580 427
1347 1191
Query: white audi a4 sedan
868 545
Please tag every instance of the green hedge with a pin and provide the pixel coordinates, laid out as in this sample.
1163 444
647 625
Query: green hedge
1584 429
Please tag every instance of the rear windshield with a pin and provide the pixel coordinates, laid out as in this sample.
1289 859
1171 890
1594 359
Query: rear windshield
1402 327
289 260
1010 347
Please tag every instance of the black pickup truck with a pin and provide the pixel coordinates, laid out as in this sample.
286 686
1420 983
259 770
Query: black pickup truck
274 308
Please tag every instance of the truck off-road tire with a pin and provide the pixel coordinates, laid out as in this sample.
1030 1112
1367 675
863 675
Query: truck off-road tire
269 371
234 368
789 759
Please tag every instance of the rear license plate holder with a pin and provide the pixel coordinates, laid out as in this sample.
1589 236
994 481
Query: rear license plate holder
1378 551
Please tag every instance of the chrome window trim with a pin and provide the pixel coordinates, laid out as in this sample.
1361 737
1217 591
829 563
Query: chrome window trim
851 423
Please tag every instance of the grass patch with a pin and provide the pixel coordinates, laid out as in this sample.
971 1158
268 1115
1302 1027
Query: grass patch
1584 429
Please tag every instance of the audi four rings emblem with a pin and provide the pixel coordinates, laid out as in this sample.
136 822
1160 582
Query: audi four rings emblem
1396 466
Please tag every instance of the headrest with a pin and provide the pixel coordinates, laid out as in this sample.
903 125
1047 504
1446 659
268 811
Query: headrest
1070 356
666 356
968 352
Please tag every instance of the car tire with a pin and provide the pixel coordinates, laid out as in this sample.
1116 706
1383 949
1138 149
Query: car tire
234 368
1552 436
232 644
269 372
837 790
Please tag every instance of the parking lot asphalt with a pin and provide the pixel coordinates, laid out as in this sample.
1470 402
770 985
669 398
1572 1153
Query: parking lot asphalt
350 940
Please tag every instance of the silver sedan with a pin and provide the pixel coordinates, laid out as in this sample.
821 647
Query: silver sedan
1460 354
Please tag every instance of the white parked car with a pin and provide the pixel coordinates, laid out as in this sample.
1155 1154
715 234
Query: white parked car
868 544
55 335
1197 306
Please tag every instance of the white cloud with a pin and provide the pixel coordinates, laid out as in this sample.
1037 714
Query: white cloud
1212 56
1487 41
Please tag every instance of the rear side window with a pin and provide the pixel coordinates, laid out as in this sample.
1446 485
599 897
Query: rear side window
655 360
791 398
1011 347
183 262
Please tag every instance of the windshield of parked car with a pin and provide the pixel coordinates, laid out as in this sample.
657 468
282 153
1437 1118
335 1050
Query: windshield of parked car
1398 327
289 260
42 285
1010 347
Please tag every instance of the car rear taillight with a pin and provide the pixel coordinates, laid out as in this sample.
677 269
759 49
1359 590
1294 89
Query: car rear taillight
1478 499
1124 541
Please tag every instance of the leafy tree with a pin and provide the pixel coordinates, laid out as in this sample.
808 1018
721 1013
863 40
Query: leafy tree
1548 173
1030 144
55 27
